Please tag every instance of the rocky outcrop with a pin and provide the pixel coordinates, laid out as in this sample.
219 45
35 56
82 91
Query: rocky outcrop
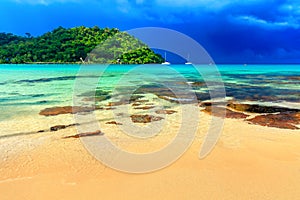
281 120
224 112
165 112
114 122
271 116
144 108
145 118
259 108
65 110
95 133
60 127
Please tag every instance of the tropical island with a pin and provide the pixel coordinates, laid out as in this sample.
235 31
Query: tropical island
76 45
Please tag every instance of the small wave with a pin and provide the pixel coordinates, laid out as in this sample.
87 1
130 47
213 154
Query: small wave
179 99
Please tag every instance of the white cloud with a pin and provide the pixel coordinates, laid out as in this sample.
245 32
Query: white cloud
215 4
252 20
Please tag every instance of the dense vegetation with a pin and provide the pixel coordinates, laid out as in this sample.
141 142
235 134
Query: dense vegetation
75 44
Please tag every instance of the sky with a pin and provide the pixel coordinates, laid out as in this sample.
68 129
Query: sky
231 31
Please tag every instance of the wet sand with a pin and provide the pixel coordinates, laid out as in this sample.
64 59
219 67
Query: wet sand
248 162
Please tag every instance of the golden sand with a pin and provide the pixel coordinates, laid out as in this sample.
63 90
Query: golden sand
248 162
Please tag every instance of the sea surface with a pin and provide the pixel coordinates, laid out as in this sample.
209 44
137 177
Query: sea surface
26 89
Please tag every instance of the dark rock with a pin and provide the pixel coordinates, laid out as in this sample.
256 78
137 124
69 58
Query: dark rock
102 98
166 112
134 98
110 108
205 104
144 118
58 127
136 104
142 101
282 120
259 109
117 103
202 96
98 94
144 108
98 132
92 99
161 92
76 124
296 78
114 122
198 84
65 110
219 112
99 107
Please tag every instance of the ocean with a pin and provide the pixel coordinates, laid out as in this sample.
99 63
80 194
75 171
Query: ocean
27 89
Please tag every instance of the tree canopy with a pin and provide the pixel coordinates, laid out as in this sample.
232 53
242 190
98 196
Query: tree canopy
98 45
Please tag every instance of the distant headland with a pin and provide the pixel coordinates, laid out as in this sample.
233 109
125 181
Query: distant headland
76 45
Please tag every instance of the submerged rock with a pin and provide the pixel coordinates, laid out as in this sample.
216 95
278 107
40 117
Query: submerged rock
198 84
99 94
281 120
220 112
259 108
165 93
296 78
118 103
123 101
134 98
65 110
145 118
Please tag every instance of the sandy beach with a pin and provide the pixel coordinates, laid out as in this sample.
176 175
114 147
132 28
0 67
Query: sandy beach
248 162
41 133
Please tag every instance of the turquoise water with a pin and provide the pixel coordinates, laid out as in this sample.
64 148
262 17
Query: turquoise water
26 89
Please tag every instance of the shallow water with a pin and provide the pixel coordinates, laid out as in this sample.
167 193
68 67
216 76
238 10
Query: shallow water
26 89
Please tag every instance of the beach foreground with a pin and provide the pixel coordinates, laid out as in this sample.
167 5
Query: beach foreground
248 162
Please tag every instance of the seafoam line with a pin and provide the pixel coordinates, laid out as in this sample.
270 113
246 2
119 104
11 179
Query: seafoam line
15 179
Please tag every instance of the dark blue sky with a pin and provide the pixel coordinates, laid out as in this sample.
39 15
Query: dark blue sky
232 31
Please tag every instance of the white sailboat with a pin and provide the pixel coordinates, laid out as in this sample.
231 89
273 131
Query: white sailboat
166 62
188 62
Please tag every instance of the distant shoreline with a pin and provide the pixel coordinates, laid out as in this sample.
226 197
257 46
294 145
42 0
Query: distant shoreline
79 63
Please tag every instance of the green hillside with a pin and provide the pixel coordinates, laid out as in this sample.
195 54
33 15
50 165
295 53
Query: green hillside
75 44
